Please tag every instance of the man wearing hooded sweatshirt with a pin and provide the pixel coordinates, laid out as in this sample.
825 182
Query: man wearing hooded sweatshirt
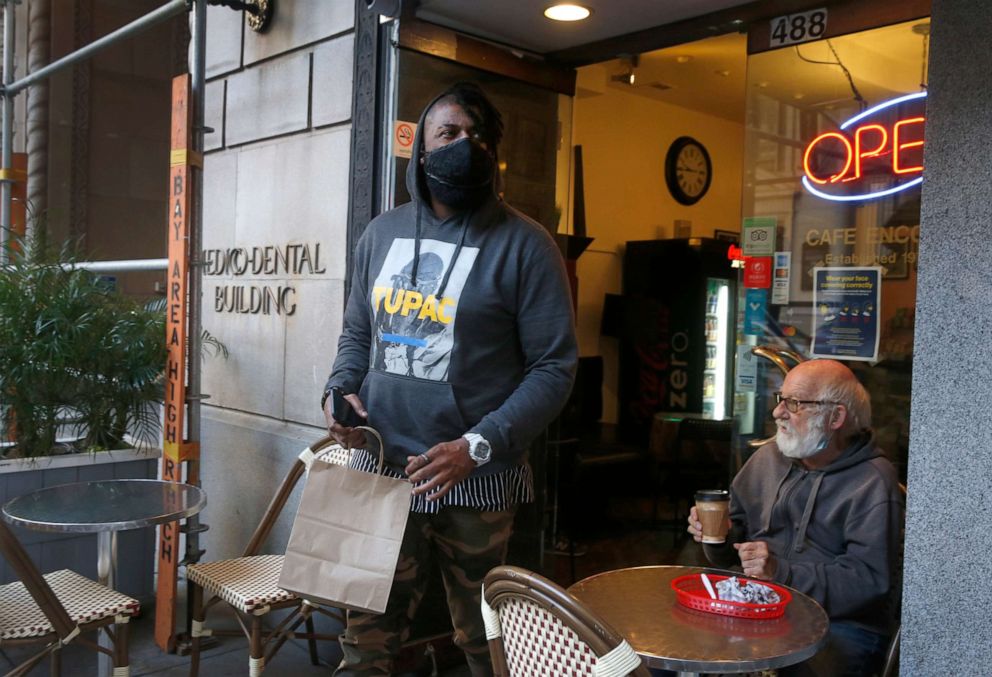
820 510
459 348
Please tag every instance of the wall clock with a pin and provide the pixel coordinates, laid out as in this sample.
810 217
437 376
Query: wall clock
688 170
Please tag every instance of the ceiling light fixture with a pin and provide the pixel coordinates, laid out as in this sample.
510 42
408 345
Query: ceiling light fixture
567 11
627 76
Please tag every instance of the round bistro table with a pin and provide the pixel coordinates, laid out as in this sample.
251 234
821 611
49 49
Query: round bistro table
105 507
640 604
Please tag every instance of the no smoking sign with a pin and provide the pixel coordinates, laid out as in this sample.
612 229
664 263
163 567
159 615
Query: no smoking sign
403 133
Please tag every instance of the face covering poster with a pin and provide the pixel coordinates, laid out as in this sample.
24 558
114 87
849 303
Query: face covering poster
845 313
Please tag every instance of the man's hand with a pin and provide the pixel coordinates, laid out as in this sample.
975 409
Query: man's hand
756 560
346 437
695 526
445 465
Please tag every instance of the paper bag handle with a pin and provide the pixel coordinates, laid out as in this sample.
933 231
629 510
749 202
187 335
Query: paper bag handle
382 446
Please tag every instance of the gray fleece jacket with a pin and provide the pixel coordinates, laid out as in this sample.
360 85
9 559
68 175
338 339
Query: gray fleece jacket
477 337
835 532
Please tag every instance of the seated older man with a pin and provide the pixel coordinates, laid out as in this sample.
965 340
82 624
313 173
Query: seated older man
820 510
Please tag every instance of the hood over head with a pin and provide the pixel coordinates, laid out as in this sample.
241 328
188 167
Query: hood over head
485 115
416 180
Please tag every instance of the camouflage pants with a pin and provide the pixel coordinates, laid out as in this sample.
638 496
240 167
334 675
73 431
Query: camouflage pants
466 543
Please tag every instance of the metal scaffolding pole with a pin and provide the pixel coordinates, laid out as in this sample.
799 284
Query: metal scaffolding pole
147 21
11 88
195 340
7 132
121 266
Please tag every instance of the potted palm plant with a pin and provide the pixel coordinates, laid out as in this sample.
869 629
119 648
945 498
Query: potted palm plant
80 388
75 357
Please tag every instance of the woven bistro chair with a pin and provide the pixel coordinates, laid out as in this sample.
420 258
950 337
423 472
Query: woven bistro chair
536 629
249 584
54 609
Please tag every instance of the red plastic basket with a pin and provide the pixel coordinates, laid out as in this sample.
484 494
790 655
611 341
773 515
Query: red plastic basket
690 592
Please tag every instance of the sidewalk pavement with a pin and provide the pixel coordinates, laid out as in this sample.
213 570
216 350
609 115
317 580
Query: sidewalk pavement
229 657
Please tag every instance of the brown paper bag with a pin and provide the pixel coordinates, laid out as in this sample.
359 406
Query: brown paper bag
346 537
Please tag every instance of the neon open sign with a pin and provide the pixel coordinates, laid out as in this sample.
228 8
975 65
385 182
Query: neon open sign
875 153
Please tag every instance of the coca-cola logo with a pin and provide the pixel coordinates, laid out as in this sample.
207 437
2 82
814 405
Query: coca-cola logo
875 153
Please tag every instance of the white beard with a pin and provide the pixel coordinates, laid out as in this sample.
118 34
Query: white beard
799 446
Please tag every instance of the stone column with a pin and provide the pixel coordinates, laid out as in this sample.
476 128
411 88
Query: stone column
946 628
39 54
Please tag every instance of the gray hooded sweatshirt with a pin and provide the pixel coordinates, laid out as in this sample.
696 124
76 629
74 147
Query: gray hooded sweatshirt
477 337
835 532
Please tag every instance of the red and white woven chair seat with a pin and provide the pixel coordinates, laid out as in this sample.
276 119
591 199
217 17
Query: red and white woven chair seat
538 644
249 584
84 600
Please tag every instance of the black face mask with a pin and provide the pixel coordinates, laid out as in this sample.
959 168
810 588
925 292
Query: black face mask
460 175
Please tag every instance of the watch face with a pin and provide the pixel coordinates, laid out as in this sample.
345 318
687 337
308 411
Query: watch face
687 170
480 452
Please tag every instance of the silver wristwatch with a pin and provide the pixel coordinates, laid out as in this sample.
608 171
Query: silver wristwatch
479 449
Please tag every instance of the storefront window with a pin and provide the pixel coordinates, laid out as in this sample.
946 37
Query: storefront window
843 243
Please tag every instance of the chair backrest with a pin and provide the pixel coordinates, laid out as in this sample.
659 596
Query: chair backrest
535 628
705 430
891 666
327 450
34 582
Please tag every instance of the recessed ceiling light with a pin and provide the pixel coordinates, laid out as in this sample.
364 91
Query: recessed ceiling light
723 73
627 77
683 58
566 11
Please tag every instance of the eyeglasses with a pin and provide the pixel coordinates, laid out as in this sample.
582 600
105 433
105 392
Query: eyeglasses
793 405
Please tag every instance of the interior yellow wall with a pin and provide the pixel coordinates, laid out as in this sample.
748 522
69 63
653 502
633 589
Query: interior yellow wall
624 139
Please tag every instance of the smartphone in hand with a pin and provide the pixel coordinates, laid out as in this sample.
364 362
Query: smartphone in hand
342 411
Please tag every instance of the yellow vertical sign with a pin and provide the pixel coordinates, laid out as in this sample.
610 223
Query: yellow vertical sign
176 448
19 193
